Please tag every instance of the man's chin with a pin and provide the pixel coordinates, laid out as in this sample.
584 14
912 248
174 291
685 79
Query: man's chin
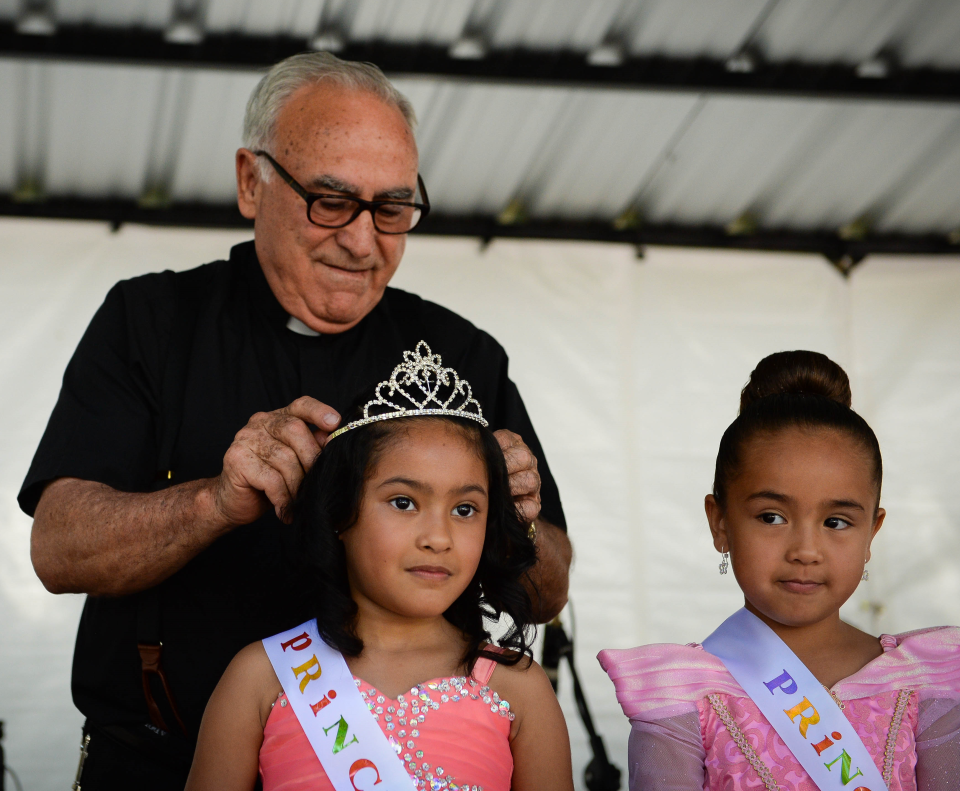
340 315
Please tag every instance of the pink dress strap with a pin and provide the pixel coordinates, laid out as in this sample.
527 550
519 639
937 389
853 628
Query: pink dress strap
483 668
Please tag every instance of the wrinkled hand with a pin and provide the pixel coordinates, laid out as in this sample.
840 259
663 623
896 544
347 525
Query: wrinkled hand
524 478
268 459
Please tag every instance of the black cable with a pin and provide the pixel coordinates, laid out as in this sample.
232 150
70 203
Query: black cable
600 774
16 780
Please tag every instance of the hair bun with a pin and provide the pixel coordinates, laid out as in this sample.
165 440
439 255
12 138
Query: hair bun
798 372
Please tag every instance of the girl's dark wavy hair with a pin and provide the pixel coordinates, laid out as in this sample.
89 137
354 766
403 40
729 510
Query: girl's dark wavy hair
328 503
793 389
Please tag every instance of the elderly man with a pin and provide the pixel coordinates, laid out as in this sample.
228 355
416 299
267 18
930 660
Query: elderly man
195 403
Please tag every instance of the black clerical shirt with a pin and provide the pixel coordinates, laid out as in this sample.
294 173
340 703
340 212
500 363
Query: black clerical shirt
106 427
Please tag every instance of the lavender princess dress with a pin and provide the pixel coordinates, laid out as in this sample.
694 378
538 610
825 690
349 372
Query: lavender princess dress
695 729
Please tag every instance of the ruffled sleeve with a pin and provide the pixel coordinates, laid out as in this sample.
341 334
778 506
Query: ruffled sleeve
663 680
658 687
928 662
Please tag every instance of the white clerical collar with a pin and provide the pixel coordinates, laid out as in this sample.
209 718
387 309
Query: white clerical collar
295 325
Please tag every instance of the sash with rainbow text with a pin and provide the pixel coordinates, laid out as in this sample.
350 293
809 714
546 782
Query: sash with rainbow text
320 688
798 707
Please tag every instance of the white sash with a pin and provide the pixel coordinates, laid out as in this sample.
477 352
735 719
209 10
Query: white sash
349 743
802 712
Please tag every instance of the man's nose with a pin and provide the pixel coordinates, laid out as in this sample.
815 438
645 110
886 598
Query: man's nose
359 238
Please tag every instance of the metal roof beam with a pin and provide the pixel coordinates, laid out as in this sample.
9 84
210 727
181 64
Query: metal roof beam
557 69
843 253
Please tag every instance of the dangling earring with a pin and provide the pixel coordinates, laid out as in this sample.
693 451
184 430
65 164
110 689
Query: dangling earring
866 572
724 563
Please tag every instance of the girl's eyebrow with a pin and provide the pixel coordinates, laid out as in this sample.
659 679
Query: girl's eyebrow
418 485
845 504
472 487
425 487
768 494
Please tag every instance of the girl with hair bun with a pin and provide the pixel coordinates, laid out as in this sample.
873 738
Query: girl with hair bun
784 694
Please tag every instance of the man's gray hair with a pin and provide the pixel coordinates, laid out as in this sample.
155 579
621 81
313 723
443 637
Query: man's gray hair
309 68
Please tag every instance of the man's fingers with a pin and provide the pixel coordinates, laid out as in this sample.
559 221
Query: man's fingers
528 508
507 439
269 456
293 433
522 469
309 410
525 483
519 458
515 452
265 478
283 459
275 452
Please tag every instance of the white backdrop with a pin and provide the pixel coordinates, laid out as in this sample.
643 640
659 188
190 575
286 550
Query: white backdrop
631 370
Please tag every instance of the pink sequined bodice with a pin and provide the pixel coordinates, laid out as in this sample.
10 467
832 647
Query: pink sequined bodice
904 705
453 734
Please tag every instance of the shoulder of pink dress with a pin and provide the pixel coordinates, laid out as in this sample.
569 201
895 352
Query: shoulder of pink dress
927 660
665 679
483 668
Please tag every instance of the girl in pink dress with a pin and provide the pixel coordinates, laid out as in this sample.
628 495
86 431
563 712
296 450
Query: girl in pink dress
410 540
795 507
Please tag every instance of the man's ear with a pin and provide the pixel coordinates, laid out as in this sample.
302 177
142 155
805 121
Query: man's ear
248 183
717 527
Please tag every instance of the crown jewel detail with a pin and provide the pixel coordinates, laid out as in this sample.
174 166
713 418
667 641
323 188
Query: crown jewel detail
419 386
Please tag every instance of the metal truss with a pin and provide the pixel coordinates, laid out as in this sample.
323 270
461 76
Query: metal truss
843 253
551 68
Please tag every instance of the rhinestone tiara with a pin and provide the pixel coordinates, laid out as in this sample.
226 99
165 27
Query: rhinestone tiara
420 385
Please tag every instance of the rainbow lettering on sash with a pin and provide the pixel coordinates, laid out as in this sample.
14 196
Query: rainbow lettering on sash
803 714
311 671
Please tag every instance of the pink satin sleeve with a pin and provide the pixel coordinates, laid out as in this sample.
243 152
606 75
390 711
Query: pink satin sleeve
662 680
658 687
928 662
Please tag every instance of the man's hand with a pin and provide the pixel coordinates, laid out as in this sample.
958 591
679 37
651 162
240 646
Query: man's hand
522 468
90 538
268 459
548 581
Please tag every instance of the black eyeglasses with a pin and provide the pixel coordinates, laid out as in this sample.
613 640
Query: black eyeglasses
336 211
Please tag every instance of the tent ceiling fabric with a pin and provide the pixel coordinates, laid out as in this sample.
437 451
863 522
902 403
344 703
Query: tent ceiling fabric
748 163
849 31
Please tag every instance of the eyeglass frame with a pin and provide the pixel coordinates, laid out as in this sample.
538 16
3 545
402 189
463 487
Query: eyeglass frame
362 205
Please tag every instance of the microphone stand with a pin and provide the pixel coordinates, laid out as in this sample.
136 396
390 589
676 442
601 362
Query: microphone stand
600 774
4 769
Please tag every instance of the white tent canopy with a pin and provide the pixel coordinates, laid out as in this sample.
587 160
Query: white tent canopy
631 370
